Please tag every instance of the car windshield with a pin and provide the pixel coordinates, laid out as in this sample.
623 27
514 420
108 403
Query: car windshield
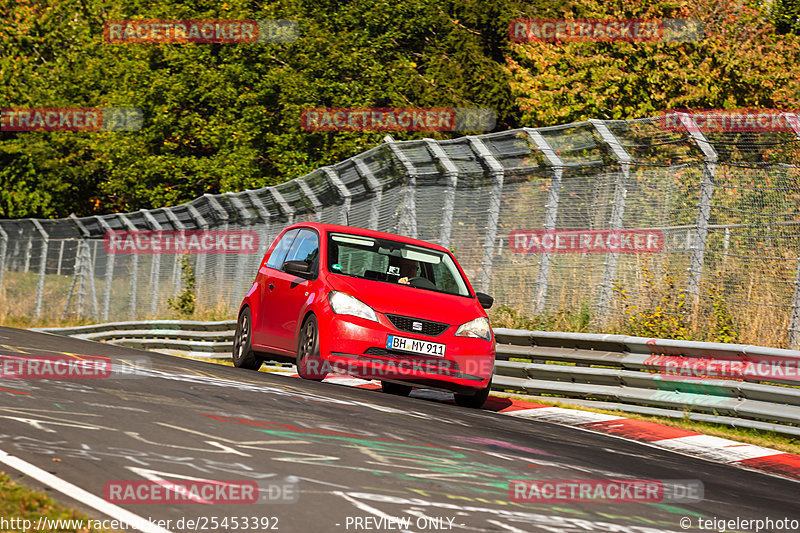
394 262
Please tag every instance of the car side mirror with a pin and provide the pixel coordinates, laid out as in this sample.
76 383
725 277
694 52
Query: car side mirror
300 269
485 300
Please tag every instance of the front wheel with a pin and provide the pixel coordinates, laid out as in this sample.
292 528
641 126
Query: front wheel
309 363
243 354
475 400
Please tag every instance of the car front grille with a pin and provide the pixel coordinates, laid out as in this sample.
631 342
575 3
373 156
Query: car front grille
423 327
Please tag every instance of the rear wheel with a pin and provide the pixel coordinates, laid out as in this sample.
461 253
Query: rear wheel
243 354
395 388
309 363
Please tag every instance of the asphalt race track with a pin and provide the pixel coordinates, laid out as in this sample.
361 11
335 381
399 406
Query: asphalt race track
331 458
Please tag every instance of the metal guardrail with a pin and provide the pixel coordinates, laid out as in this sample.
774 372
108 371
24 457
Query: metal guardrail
602 371
209 339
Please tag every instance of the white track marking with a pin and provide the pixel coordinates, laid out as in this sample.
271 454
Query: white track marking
77 493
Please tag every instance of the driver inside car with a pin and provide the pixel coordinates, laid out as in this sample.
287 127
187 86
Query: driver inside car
408 269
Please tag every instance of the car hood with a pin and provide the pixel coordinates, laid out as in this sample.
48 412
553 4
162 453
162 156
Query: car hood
408 301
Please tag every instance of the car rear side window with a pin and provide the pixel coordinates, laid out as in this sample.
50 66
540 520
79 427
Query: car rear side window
279 253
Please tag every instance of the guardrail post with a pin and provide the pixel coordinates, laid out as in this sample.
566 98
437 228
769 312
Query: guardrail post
42 265
550 215
109 275
134 267
451 175
407 225
703 206
375 187
3 250
340 187
496 197
617 213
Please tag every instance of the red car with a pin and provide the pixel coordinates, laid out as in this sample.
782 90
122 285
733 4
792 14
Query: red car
368 304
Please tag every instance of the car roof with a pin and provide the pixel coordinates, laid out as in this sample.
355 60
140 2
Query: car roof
366 233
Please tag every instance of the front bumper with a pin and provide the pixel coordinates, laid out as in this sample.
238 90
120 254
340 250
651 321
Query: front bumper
355 346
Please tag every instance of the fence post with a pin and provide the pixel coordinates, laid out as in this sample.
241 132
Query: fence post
794 320
42 266
703 207
339 185
200 266
134 267
498 175
109 274
407 225
617 214
3 250
241 267
451 175
155 264
550 215
176 265
223 215
28 252
375 187
316 205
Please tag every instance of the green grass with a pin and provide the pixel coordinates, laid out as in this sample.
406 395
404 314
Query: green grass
18 502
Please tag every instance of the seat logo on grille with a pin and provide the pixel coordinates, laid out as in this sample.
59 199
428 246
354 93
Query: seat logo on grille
416 326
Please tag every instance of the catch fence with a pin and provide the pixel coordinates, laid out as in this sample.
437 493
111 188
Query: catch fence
627 220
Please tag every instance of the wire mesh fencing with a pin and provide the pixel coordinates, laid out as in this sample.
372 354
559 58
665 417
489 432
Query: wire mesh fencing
651 220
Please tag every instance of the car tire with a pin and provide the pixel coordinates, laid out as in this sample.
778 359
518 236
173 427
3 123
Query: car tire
475 400
243 355
309 363
396 388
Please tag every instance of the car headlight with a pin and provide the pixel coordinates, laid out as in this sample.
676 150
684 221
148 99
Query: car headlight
475 328
344 304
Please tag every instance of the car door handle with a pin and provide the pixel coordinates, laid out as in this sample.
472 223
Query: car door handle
271 286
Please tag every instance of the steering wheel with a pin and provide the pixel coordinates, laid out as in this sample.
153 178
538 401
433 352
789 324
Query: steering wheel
421 282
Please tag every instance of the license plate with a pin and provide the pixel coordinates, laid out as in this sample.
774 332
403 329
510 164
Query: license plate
404 344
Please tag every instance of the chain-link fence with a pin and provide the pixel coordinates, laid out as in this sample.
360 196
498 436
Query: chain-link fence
630 220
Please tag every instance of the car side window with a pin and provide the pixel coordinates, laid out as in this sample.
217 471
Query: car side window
305 248
279 253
